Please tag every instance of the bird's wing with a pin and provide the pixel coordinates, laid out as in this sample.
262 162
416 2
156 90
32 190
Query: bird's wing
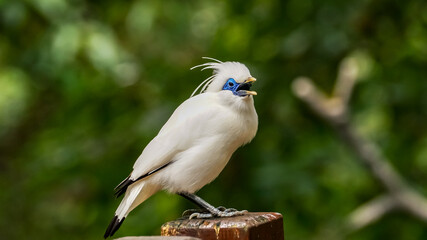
187 124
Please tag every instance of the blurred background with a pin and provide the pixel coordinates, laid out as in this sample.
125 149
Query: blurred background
85 85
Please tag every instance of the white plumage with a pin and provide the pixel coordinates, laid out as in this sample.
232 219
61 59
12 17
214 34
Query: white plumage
197 141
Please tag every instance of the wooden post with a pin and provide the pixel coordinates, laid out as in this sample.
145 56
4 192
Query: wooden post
158 238
263 226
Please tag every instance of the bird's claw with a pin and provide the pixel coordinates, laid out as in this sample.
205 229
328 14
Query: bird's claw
200 215
220 212
231 212
190 212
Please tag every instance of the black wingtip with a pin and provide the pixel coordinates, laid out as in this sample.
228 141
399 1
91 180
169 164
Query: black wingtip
122 187
113 227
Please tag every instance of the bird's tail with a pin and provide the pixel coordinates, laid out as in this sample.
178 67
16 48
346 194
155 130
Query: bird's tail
135 195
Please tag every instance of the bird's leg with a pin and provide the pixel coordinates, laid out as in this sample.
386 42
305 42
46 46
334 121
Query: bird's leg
211 210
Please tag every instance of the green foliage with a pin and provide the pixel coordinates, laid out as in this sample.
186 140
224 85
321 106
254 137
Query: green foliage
85 85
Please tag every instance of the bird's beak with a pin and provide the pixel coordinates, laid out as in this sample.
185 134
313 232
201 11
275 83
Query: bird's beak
251 93
250 80
244 88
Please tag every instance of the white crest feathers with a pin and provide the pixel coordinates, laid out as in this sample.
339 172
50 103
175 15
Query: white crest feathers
221 72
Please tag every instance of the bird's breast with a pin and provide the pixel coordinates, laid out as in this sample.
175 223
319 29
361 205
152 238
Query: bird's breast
208 137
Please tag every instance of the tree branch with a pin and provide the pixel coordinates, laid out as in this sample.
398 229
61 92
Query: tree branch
334 110
370 212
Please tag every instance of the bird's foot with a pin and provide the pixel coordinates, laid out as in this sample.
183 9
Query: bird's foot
216 212
196 213
200 216
229 212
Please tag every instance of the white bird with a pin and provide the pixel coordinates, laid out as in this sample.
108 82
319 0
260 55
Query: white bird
195 144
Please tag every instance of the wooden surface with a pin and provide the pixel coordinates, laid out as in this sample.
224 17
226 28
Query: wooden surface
159 238
251 226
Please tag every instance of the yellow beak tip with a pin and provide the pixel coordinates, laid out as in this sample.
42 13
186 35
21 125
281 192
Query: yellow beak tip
251 79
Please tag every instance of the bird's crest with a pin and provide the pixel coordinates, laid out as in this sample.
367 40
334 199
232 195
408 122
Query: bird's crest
210 65
221 72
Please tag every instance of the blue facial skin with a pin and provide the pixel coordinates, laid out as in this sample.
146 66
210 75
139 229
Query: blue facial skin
233 86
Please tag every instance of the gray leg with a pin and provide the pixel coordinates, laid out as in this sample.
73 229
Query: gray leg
212 211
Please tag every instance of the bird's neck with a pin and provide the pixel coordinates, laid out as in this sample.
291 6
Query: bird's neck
239 104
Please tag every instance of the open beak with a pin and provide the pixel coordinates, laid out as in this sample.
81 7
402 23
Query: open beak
244 87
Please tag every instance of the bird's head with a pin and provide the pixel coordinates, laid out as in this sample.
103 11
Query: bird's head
227 76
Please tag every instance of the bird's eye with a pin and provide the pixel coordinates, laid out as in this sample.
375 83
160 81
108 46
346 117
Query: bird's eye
230 84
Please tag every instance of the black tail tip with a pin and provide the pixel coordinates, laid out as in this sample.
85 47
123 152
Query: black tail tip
113 227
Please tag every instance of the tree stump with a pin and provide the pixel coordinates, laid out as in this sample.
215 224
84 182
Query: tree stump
250 226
